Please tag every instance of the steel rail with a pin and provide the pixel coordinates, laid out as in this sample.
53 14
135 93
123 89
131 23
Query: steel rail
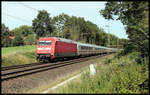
18 73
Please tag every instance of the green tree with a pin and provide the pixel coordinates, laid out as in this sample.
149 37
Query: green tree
135 16
42 25
76 28
23 30
30 39
59 23
5 41
18 41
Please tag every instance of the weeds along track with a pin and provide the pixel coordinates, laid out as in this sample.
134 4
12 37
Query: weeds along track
23 70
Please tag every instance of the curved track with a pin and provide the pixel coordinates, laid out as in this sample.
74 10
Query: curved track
23 70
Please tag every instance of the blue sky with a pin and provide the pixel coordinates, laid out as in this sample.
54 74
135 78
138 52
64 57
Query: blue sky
15 14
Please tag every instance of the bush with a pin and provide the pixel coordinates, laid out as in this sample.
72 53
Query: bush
30 40
18 41
122 75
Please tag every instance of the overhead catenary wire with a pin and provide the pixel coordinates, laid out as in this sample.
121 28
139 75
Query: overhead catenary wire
25 5
29 7
18 18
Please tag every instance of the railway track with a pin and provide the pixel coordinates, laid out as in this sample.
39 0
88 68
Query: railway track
18 66
27 69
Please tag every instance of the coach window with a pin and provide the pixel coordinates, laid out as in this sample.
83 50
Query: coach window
82 47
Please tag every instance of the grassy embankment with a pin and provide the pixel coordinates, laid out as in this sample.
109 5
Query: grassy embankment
126 74
18 55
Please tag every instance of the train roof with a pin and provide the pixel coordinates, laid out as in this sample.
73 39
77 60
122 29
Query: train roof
57 38
47 38
89 45
65 40
78 43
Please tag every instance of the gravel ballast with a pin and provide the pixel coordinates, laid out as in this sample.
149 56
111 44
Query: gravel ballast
26 83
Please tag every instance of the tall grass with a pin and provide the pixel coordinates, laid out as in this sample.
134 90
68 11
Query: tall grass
18 55
118 75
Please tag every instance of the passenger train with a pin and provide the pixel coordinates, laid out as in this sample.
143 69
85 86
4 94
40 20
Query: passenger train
50 48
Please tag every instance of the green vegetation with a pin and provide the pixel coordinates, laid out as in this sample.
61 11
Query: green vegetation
12 50
19 35
42 24
63 25
135 16
78 29
5 42
18 41
30 39
127 74
23 31
18 55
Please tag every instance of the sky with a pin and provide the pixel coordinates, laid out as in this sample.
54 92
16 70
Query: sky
15 14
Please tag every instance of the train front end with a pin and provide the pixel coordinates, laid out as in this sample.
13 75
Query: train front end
45 49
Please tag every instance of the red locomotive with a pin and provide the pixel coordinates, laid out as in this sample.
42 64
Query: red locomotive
49 48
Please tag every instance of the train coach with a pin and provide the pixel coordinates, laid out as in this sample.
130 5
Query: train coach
49 48
88 49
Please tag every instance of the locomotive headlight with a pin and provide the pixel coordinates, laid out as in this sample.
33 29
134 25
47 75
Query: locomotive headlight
40 48
44 48
47 48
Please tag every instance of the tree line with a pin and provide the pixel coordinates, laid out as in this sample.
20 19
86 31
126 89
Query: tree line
134 15
63 25
22 35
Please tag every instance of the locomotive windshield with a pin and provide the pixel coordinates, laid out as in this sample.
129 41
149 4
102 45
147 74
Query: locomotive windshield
45 42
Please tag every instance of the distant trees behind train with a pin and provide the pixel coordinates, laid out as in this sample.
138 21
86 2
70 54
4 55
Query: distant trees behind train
22 35
63 25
